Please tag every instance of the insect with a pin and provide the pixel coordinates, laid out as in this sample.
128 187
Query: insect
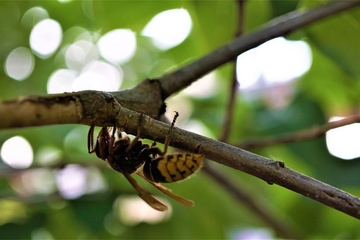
128 156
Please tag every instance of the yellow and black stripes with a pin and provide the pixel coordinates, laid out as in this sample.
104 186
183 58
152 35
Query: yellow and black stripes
172 167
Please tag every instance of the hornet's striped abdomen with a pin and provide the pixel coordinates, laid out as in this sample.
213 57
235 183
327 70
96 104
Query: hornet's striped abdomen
172 167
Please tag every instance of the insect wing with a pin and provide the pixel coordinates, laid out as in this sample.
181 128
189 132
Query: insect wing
90 142
153 202
168 192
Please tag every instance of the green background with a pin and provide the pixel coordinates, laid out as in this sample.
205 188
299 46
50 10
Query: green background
329 87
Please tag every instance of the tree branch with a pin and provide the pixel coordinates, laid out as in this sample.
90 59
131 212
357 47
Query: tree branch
175 81
150 94
226 125
97 108
301 135
84 107
272 172
102 109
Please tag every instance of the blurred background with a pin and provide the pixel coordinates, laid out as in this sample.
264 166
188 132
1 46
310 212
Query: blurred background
51 188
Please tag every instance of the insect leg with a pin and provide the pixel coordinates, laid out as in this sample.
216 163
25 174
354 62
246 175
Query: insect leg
136 139
114 131
168 136
111 140
154 151
153 202
168 192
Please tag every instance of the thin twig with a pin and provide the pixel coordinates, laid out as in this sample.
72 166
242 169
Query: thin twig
240 19
229 113
243 197
226 126
175 81
301 135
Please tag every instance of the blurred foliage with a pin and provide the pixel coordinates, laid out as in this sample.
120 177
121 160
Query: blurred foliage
330 87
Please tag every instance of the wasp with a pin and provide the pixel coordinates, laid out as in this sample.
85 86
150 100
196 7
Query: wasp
128 156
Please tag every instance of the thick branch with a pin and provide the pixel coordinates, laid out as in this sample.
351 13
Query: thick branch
97 108
175 81
84 107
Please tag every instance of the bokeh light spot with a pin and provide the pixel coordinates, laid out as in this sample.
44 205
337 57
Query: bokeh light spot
253 234
198 128
247 69
95 181
17 152
61 81
98 75
76 33
80 53
45 37
275 61
169 28
71 181
36 181
19 63
343 142
33 16
117 46
133 210
48 155
203 87
40 234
